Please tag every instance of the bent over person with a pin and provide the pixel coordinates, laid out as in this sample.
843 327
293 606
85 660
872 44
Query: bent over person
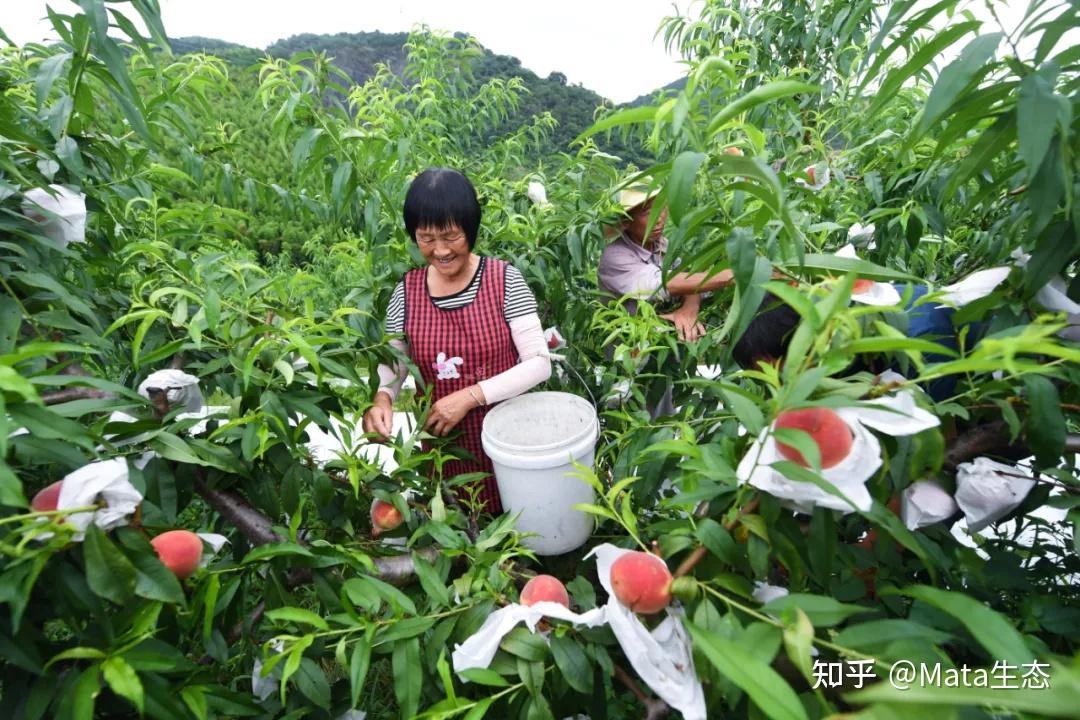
469 324
632 266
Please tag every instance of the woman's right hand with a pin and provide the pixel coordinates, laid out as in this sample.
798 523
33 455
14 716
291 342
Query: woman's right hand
379 418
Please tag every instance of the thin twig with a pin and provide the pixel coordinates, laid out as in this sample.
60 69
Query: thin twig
699 553
654 707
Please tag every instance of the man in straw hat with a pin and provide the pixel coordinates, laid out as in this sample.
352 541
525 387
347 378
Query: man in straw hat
632 264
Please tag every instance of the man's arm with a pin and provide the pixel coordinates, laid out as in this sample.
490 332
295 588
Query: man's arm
696 283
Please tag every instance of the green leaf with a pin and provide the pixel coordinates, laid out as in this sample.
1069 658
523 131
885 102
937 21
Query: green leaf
298 615
572 663
48 425
1045 428
430 580
822 610
631 116
996 634
875 635
989 145
358 665
717 540
292 662
108 573
408 676
303 146
76 653
761 94
67 150
12 382
524 644
915 64
154 581
680 186
47 72
863 268
484 676
798 639
1036 118
312 682
765 687
123 680
1052 252
84 693
480 709
957 76
272 550
1060 698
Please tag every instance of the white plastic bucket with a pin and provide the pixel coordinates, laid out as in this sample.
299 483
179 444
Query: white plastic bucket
533 441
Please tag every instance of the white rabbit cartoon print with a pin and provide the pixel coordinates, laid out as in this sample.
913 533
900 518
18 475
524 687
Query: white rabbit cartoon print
447 367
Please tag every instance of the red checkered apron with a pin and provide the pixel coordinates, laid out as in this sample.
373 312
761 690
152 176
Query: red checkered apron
457 348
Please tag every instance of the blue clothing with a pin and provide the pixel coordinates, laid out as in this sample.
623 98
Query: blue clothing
932 323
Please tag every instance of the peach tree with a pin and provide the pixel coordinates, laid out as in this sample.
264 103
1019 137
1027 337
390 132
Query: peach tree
332 581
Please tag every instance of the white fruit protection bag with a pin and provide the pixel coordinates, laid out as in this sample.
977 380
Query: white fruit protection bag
105 481
661 657
180 388
60 212
987 490
924 503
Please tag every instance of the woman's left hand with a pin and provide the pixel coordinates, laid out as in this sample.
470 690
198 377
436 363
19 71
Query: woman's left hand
448 412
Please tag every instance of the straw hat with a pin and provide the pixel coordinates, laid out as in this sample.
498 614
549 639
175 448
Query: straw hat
637 193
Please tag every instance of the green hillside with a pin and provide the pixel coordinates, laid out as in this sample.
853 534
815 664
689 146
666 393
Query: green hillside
358 54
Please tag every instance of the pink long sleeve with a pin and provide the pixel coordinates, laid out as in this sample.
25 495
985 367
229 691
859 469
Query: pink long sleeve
534 366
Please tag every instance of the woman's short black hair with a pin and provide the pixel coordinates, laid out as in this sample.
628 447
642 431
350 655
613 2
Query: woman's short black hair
768 335
441 198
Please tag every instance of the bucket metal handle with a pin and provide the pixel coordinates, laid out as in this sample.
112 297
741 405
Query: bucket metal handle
561 359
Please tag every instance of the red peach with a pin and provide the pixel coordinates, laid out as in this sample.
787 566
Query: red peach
179 550
553 341
545 588
733 151
861 286
825 427
384 516
47 498
812 174
641 582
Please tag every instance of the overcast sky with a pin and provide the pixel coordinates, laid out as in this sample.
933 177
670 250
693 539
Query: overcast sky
606 45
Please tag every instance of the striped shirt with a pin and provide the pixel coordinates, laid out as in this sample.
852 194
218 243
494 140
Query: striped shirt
518 299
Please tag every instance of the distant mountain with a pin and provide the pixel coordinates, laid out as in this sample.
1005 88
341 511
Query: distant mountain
572 105
670 88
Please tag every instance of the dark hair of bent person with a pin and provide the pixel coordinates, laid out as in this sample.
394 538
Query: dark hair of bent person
768 334
441 198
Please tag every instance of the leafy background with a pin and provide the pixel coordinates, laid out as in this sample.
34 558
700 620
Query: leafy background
244 216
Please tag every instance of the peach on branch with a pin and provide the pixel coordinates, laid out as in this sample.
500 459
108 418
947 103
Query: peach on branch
642 582
47 498
384 516
179 550
824 426
545 588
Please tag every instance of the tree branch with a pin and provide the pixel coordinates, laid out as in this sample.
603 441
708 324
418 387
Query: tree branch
655 708
976 441
254 525
75 393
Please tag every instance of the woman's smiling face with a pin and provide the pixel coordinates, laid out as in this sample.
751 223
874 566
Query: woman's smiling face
445 249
